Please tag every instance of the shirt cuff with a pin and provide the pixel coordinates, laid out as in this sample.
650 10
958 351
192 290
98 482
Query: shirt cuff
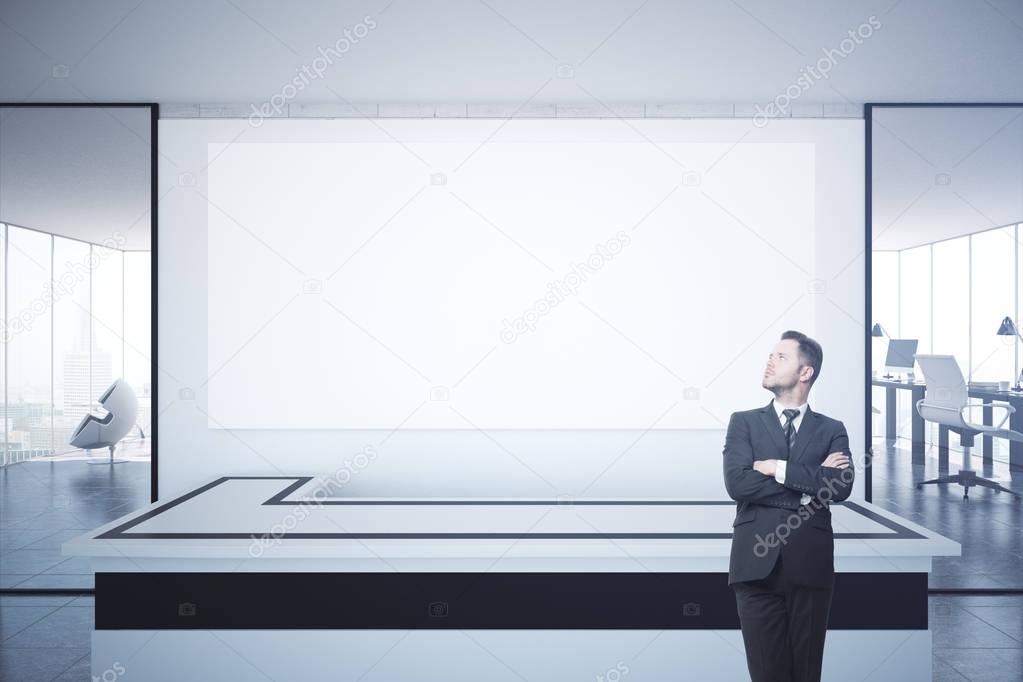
779 471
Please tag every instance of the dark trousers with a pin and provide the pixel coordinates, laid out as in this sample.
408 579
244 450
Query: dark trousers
783 627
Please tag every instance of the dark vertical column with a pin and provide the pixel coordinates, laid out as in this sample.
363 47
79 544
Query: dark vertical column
154 371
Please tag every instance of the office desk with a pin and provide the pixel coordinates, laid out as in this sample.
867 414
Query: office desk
247 573
916 425
918 390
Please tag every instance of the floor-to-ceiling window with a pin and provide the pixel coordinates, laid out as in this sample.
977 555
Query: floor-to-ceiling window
67 336
884 277
952 295
914 296
71 338
914 320
992 299
137 331
950 298
29 389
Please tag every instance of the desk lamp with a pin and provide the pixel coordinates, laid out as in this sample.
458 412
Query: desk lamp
1008 328
878 331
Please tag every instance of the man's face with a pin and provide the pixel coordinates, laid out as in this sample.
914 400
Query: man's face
782 371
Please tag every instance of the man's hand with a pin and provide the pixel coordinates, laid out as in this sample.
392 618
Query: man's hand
836 460
766 466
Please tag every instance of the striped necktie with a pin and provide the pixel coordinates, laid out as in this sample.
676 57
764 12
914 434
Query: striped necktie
790 426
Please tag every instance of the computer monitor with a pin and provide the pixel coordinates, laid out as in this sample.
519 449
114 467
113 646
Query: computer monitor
901 355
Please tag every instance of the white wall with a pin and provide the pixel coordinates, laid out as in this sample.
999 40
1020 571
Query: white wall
818 282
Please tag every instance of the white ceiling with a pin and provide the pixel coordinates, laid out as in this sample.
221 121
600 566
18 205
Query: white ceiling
944 172
80 172
509 50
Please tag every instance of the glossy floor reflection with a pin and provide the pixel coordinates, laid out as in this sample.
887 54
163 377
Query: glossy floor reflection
43 503
988 526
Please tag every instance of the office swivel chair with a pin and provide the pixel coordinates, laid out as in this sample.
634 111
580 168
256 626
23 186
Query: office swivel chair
106 432
945 403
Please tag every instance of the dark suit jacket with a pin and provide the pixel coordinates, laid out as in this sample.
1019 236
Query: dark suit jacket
769 518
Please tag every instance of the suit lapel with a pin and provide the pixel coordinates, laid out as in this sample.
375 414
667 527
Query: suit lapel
773 426
807 427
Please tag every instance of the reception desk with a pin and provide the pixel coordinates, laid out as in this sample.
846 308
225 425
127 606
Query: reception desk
271 578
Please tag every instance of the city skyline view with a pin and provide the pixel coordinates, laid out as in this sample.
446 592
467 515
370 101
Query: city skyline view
76 318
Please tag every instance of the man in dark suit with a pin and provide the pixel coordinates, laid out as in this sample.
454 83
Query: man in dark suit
784 464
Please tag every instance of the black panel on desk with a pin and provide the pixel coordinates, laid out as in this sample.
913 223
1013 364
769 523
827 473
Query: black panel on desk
209 601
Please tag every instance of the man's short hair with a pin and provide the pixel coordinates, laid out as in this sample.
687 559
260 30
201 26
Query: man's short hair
810 352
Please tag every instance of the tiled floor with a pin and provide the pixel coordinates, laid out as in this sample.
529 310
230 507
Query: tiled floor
988 526
976 637
45 638
45 503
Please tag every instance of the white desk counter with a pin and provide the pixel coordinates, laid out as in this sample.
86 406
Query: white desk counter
248 569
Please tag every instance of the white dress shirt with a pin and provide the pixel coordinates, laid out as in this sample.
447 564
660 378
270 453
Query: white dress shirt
779 471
